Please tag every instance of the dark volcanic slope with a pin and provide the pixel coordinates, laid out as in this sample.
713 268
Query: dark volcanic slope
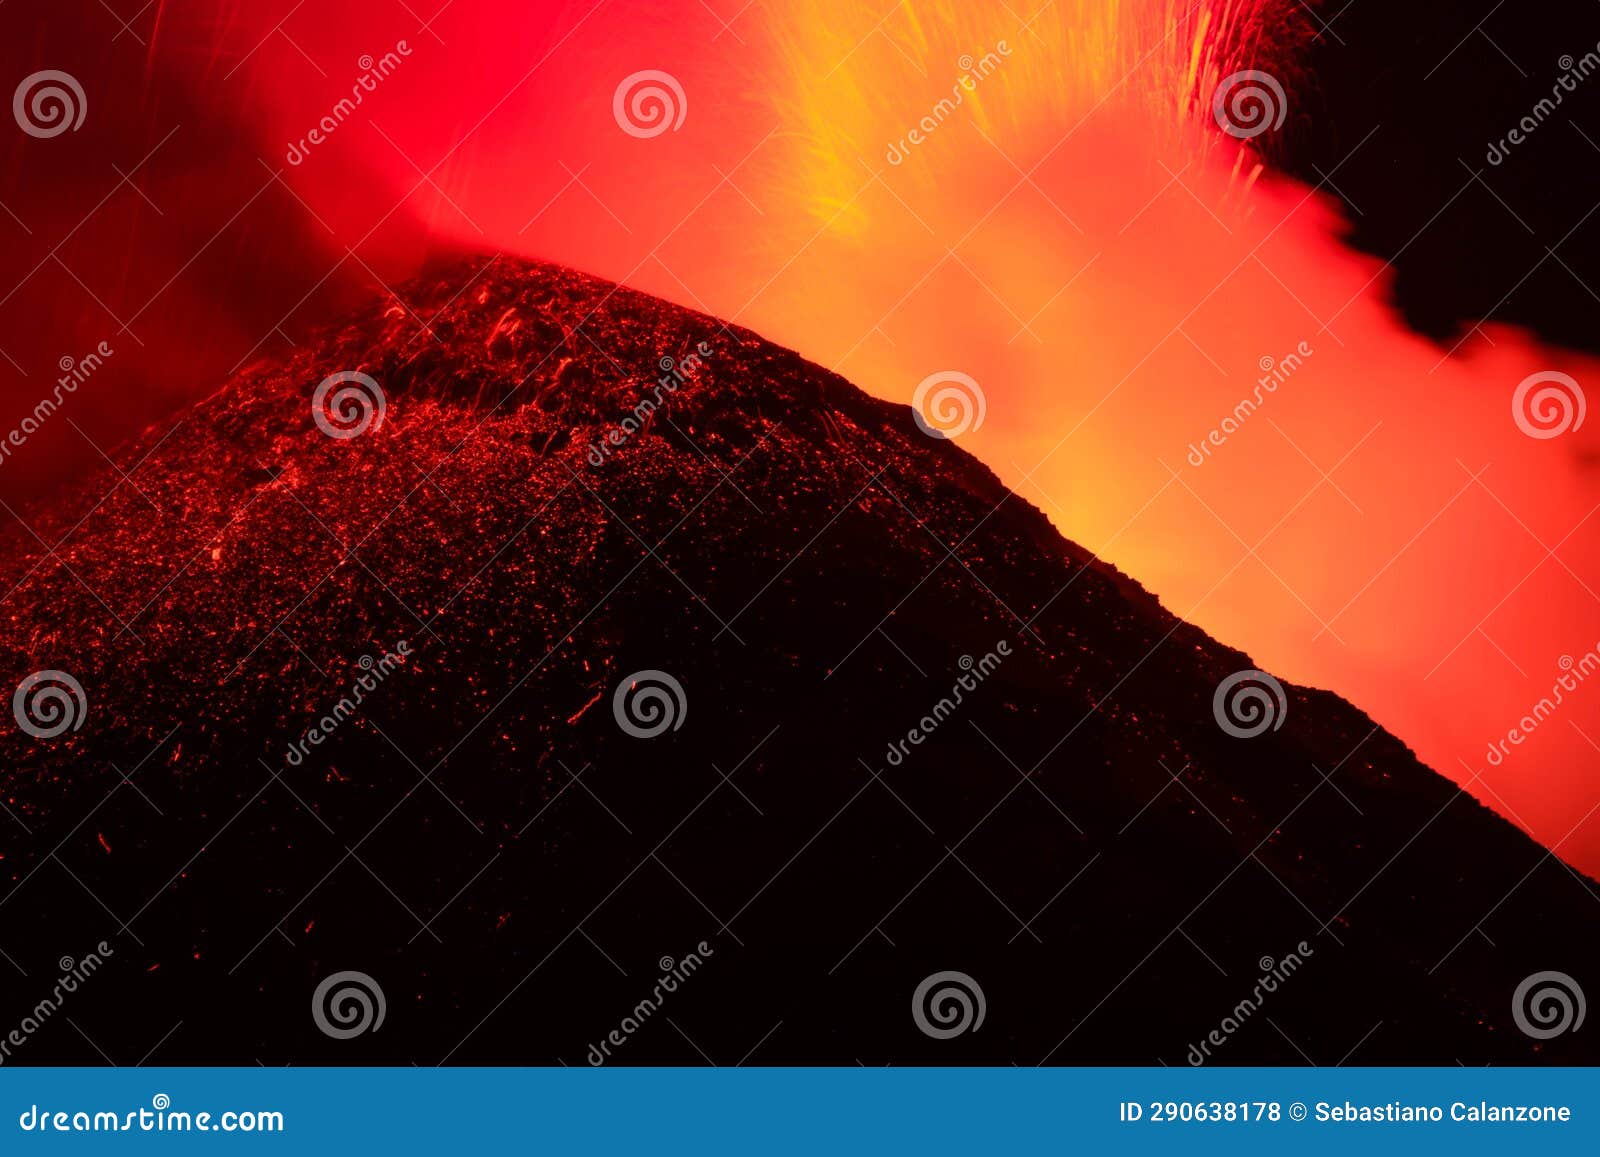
484 840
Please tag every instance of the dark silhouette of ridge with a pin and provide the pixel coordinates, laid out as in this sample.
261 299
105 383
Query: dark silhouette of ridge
514 870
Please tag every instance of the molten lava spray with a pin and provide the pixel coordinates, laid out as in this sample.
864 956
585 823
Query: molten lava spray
1172 355
1171 352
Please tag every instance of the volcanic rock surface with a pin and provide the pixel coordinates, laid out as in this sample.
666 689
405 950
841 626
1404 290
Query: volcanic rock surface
515 870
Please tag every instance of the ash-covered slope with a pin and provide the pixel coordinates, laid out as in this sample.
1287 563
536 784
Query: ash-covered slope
482 837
